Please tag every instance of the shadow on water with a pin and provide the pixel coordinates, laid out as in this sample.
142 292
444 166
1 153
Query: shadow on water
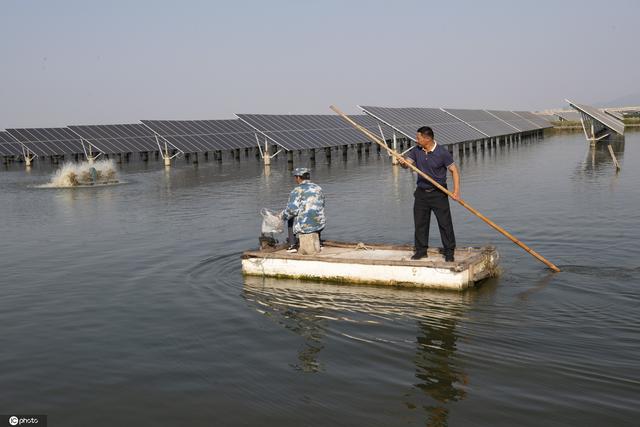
314 310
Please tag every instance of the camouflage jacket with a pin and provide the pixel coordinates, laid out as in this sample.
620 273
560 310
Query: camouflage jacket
306 204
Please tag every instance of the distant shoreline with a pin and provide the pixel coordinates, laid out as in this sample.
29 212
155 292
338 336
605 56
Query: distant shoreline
571 124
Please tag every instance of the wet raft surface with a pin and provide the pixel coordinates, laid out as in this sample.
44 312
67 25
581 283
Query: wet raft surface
351 262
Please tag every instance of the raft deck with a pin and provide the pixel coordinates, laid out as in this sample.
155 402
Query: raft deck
380 264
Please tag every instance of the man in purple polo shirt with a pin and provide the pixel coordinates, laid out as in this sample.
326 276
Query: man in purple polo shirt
434 160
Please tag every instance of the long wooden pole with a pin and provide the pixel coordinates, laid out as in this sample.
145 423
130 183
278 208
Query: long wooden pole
401 159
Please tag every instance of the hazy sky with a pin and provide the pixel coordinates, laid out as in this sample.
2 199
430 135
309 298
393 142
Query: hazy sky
90 62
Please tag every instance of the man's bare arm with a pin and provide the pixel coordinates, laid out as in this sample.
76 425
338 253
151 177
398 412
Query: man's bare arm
456 181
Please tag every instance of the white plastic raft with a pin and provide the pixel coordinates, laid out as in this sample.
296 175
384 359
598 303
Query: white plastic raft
369 263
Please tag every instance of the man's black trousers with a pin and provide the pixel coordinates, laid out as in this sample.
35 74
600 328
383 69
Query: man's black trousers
425 203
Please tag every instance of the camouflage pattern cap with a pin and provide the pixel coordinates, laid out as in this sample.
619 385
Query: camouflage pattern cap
300 171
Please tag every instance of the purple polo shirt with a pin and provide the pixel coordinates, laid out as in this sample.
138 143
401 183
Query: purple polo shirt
434 164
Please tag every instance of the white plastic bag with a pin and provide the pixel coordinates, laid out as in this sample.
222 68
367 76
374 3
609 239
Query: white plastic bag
271 223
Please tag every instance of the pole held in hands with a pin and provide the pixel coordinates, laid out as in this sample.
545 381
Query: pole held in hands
401 160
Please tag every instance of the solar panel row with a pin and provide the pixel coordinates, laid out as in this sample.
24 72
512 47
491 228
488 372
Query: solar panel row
301 132
192 136
8 145
453 126
48 141
483 121
514 120
291 132
122 138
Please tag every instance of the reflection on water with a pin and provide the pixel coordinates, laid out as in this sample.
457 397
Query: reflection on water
310 309
598 159
439 377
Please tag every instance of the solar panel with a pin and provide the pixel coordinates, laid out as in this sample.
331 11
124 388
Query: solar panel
119 138
192 136
598 116
615 114
535 119
571 116
550 117
483 121
49 141
8 145
5 137
514 120
306 131
447 129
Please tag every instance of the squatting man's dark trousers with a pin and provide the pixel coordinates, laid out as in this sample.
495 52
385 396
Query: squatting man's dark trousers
292 239
438 202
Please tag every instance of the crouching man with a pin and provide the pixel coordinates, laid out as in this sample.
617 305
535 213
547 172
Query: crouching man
304 214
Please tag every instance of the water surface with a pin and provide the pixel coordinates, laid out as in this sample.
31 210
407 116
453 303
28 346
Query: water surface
125 305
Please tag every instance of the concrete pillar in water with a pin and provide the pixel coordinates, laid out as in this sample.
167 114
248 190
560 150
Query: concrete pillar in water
359 148
366 147
206 156
312 154
236 154
266 156
289 156
195 158
345 150
327 152
246 152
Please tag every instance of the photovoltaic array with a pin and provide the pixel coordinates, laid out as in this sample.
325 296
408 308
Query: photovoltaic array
541 122
290 131
447 128
192 136
48 141
605 120
8 145
482 121
123 138
306 131
514 120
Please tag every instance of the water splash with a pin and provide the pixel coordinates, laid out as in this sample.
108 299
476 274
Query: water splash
81 175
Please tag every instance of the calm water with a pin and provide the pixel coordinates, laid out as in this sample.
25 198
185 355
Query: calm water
126 305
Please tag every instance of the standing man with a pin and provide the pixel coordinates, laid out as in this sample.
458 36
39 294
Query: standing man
304 214
434 160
